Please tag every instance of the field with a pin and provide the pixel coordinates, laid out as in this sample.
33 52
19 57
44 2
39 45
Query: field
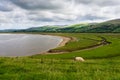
102 61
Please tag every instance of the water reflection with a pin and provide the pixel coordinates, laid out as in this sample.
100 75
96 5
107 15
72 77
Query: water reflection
26 44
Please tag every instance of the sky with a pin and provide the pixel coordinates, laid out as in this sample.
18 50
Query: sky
18 14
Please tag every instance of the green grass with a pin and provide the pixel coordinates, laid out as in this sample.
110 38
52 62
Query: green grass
102 63
81 41
58 69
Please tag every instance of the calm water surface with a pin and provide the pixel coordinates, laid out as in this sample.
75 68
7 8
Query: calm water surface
26 44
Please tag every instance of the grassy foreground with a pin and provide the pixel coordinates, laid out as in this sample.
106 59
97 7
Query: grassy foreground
102 63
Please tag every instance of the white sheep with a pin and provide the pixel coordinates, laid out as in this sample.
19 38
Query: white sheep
79 59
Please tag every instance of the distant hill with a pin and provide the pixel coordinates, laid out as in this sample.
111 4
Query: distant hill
108 26
42 29
104 27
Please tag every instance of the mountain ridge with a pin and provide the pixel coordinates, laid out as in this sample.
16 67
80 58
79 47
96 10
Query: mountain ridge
111 26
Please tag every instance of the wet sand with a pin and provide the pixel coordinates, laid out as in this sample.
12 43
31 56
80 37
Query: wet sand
62 43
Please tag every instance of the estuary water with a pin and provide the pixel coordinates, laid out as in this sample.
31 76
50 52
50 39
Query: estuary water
26 44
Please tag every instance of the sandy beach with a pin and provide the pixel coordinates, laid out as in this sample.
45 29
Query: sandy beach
64 41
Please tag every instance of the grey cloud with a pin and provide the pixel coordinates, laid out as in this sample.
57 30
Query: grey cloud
91 17
45 19
99 2
117 10
4 9
4 6
36 4
83 1
40 19
48 17
4 20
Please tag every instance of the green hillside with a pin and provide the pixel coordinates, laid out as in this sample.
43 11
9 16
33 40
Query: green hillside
42 29
108 26
104 27
112 26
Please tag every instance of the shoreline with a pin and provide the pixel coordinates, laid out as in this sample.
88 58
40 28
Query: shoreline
64 41
67 39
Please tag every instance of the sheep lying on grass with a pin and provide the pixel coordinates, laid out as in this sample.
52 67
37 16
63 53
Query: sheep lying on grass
79 59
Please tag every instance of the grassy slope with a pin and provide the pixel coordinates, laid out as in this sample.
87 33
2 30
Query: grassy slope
102 63
79 41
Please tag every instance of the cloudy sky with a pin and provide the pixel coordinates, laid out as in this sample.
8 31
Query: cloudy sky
30 13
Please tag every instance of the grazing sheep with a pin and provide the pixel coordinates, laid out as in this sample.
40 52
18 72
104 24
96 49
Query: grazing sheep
79 59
